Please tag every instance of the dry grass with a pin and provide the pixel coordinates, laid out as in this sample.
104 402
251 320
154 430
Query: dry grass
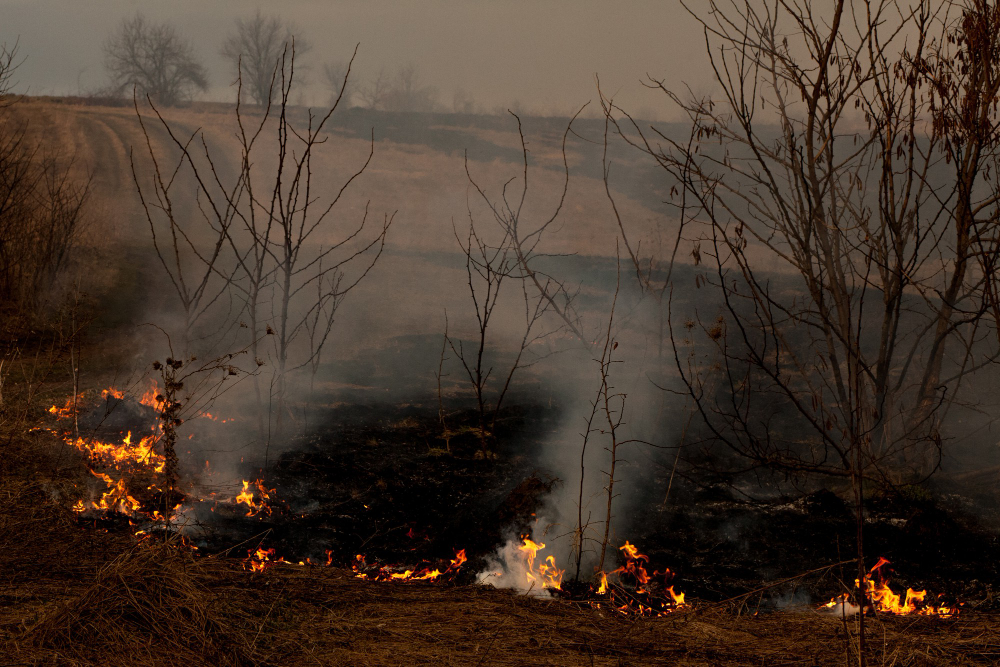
148 606
71 594
157 605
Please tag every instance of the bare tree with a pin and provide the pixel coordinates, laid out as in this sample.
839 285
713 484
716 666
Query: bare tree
525 236
408 93
403 92
510 254
42 199
488 268
154 60
255 47
338 83
374 94
845 190
288 284
192 249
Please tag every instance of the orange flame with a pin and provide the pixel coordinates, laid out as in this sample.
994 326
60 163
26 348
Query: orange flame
546 574
259 560
246 496
635 566
883 599
66 411
362 570
152 397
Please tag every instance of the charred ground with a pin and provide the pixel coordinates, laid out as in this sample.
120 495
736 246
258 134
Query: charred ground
371 471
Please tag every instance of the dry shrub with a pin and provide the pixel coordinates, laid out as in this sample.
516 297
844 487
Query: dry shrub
145 607
40 217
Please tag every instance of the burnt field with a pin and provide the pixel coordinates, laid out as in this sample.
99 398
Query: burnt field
380 477
377 479
424 388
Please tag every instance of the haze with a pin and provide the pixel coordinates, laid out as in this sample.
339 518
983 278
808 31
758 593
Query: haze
540 56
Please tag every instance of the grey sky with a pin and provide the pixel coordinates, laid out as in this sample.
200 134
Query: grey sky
543 54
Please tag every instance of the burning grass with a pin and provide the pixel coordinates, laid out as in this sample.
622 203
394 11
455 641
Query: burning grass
89 597
78 595
157 605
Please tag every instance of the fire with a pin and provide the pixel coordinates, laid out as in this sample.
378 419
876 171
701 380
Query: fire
876 590
246 496
634 565
152 397
130 459
375 572
546 574
634 570
126 452
66 411
116 498
629 589
259 560
603 588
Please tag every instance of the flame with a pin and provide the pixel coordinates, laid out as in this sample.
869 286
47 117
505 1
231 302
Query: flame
546 574
362 570
246 496
152 397
259 560
66 411
633 566
883 599
124 458
142 454
647 603
116 498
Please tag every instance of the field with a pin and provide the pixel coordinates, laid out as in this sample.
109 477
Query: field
380 466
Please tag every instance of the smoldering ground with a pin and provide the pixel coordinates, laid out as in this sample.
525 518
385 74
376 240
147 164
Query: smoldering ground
374 394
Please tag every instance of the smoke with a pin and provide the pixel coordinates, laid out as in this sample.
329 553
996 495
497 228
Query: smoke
840 609
514 567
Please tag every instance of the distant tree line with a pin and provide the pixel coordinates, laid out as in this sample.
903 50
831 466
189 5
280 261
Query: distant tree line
155 61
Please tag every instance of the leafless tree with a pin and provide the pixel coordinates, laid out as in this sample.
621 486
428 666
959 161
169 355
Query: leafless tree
408 93
525 235
488 267
154 60
845 192
512 256
191 249
339 85
255 47
373 95
42 199
402 92
288 284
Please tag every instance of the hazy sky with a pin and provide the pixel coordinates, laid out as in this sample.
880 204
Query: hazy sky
542 53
